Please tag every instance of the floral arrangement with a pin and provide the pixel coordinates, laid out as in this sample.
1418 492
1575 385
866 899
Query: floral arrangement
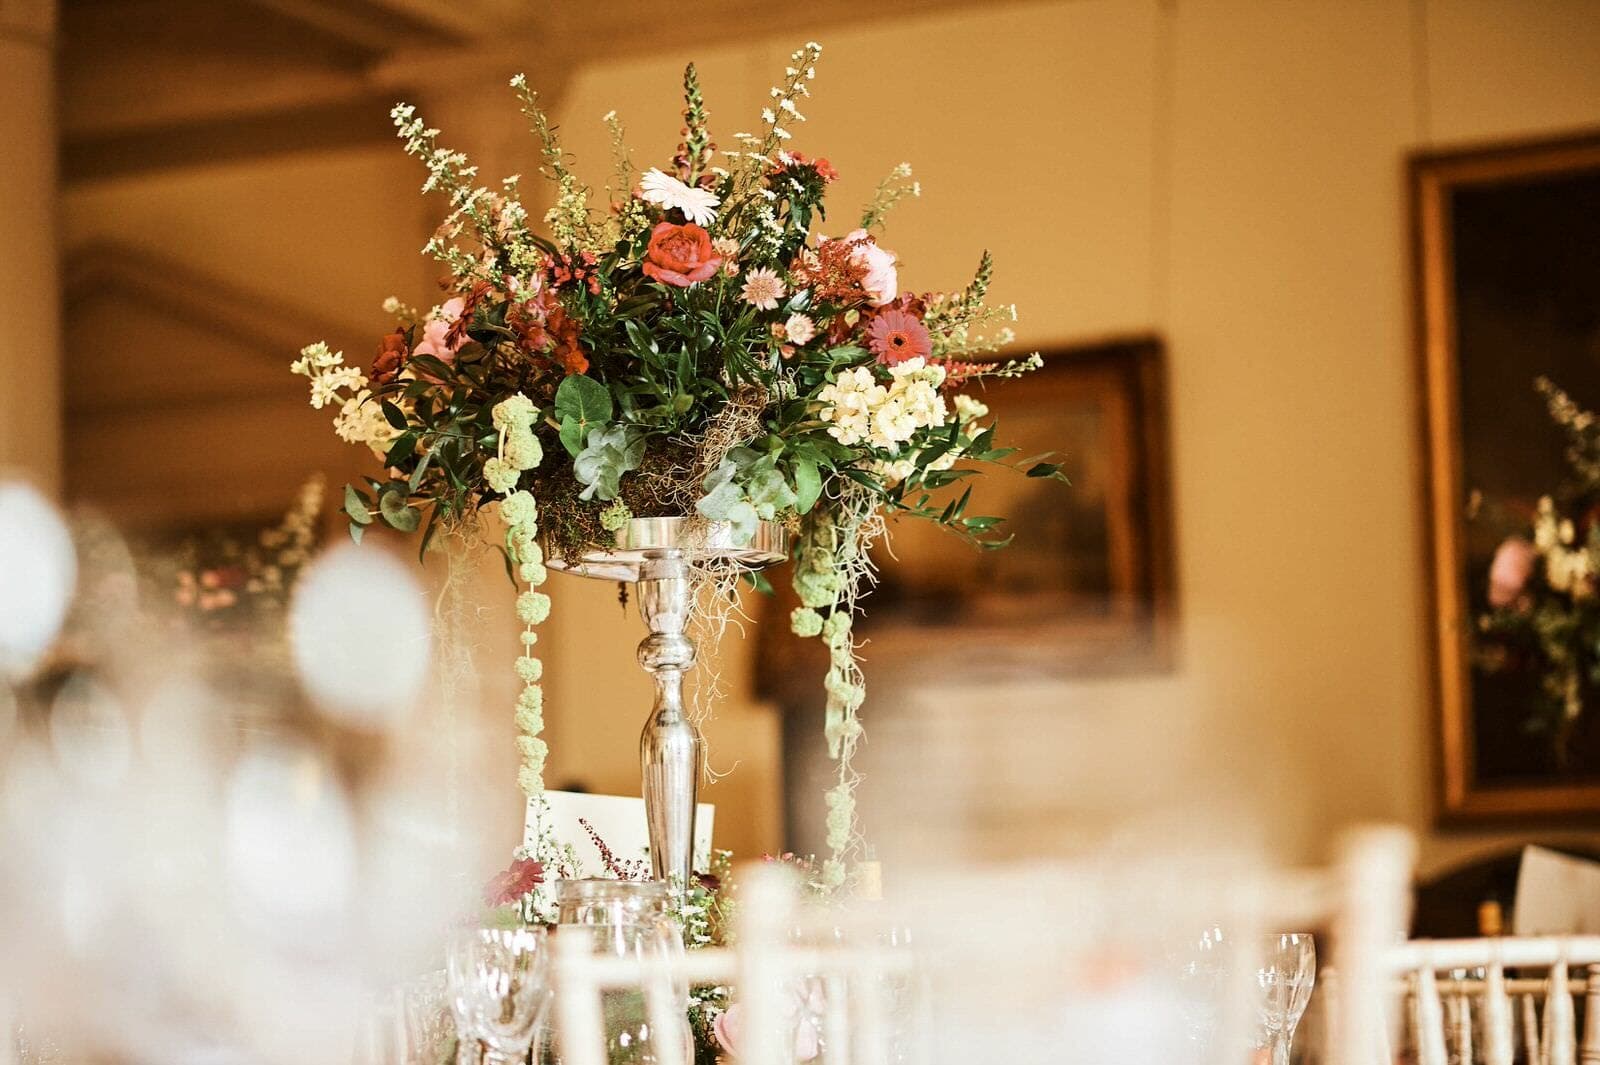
1543 613
692 347
222 581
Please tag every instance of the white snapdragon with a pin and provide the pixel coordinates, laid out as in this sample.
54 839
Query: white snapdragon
916 388
969 409
360 418
892 471
326 386
360 421
860 408
848 404
924 404
892 424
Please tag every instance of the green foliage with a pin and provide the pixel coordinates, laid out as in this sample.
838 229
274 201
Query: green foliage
608 454
582 404
745 488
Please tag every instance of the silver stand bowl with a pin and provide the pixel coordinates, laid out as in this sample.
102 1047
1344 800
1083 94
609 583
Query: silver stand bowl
658 556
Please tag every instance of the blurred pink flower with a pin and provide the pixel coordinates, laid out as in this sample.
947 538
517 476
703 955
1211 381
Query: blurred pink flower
1510 570
435 332
509 886
729 1029
879 280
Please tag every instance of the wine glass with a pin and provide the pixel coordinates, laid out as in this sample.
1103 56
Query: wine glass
1204 968
499 984
1286 973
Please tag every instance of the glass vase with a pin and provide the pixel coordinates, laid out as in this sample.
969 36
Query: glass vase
626 919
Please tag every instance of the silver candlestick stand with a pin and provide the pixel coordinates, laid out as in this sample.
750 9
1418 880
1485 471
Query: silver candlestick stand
658 556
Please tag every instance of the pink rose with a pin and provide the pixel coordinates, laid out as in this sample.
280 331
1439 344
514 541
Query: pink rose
879 280
729 1028
435 332
1510 570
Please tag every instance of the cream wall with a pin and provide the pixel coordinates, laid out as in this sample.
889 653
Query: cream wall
1226 173
1230 174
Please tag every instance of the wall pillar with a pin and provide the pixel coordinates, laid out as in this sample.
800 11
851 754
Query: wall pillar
30 292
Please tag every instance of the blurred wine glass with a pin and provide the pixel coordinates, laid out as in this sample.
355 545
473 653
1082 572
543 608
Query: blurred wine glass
1287 971
1204 970
499 987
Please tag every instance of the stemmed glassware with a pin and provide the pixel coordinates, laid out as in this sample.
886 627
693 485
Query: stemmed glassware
1287 970
499 987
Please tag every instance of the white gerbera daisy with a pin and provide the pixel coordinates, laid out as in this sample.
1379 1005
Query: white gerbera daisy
664 190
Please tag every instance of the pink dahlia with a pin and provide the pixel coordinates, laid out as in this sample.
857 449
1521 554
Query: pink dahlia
895 336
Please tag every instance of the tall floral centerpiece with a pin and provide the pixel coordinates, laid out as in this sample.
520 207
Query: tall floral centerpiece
695 348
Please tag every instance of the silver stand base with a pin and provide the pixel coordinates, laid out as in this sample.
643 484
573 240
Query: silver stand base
658 556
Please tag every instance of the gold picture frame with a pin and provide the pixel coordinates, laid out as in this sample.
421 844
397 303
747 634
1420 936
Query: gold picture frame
1453 197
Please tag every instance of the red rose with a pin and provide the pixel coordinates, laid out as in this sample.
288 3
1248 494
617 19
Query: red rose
508 887
680 255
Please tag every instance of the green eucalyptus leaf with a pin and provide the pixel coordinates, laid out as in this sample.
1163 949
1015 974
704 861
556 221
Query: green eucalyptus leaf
356 506
633 448
356 531
393 507
807 485
742 516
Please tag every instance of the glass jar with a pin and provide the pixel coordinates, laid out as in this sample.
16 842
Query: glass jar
627 919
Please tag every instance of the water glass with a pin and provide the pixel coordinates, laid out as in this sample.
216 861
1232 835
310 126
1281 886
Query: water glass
625 919
1287 971
499 987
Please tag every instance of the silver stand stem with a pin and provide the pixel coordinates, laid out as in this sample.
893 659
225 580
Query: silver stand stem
671 752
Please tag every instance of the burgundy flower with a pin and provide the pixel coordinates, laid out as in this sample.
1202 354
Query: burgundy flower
391 356
508 887
576 269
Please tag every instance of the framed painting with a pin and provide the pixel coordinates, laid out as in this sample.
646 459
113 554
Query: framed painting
1506 247
1085 588
1085 584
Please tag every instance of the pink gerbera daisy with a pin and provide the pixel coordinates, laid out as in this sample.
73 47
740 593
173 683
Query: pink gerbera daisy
895 336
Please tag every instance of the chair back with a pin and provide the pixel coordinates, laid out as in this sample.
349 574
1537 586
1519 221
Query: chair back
1509 993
